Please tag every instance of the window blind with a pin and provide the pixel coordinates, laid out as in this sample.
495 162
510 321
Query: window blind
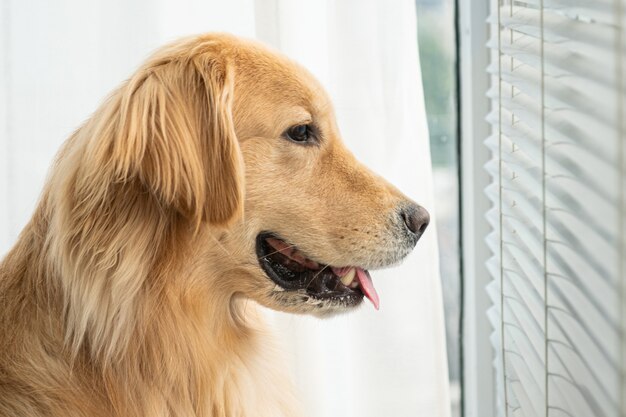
557 142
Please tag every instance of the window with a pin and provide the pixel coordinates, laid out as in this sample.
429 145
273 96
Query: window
555 188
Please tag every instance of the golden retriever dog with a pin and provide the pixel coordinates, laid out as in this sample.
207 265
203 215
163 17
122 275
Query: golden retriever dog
212 181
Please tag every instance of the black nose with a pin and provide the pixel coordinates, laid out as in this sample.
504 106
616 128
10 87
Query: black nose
416 219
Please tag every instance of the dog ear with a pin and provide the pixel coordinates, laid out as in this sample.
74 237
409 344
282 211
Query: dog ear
176 135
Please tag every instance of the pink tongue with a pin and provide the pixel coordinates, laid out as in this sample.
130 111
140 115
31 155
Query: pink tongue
367 286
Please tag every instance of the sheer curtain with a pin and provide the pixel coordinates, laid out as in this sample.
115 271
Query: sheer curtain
60 59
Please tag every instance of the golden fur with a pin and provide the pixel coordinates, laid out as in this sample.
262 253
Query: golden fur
127 293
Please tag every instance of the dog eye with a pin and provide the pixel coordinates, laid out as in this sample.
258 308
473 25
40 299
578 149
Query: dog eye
300 133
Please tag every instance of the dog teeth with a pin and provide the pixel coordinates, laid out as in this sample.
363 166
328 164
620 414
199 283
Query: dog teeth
348 278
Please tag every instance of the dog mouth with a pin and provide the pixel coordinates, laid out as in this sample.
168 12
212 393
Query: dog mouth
292 270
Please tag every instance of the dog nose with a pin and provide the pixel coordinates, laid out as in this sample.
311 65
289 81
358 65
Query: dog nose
416 219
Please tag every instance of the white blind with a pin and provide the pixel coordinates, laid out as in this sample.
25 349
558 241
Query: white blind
558 166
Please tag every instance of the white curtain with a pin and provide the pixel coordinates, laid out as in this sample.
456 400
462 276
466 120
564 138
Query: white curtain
60 59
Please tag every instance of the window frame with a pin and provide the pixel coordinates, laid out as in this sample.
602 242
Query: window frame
478 374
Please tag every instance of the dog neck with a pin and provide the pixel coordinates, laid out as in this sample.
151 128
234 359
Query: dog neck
140 330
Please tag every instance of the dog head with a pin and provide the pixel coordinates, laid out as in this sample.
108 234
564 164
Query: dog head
243 143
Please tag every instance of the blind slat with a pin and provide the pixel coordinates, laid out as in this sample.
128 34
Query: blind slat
589 11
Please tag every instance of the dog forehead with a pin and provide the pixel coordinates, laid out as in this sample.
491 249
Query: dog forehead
261 73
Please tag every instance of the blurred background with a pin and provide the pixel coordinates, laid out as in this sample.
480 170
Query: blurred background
60 59
438 57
